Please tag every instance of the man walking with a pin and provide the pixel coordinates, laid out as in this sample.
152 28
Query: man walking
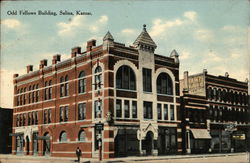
78 154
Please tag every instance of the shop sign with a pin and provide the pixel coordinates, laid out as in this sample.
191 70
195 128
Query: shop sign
239 136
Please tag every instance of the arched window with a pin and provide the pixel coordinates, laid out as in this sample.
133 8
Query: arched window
81 82
62 87
50 89
215 94
164 84
66 85
98 77
125 78
63 137
81 136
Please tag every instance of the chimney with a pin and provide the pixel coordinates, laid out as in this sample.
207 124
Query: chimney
56 58
90 44
75 51
15 75
185 81
43 63
29 68
205 71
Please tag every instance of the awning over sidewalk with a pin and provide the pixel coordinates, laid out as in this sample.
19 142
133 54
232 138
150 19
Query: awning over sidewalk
201 133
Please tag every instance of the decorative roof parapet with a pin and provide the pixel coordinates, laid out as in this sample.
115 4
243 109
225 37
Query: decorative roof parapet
144 41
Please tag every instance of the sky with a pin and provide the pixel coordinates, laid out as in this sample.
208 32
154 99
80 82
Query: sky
207 34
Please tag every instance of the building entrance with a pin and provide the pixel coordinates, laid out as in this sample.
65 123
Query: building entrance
35 143
19 144
148 143
46 144
27 145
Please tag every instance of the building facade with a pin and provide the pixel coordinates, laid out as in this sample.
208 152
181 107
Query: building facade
215 113
6 129
131 91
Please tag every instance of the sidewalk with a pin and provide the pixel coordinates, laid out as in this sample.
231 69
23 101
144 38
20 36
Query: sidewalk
39 159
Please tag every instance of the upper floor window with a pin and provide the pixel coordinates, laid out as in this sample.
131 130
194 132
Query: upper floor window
159 111
125 78
164 84
126 109
81 111
147 110
82 82
147 80
118 108
98 108
98 77
64 111
63 137
64 86
134 109
50 90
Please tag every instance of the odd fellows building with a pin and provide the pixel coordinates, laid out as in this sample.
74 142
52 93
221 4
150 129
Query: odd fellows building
215 113
122 100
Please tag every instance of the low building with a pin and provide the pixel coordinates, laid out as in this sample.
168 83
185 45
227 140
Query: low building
5 130
215 113
129 92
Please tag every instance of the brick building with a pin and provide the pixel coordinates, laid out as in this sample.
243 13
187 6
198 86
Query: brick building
215 113
131 90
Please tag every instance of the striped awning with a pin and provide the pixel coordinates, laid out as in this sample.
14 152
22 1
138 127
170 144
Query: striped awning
201 133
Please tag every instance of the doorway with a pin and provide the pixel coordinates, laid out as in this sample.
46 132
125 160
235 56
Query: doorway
46 144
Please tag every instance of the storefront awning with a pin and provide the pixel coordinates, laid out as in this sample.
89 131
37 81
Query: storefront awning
201 133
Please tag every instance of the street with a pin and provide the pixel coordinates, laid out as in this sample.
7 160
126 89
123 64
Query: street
206 158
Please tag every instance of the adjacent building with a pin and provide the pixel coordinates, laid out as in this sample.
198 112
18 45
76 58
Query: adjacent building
5 130
215 113
129 92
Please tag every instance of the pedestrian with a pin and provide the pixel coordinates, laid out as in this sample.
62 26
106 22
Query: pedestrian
78 154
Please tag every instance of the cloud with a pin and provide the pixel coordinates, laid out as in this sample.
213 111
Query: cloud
103 19
66 28
233 28
11 23
128 31
79 24
203 35
185 55
160 26
192 15
211 57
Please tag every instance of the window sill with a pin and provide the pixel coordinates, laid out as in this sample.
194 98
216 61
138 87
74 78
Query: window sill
83 93
147 92
128 90
158 94
64 97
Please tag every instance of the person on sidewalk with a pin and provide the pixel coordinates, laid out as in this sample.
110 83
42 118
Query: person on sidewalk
78 154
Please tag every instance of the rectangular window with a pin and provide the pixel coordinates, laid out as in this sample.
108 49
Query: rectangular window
49 116
171 112
66 114
61 90
126 109
66 89
147 80
50 92
134 109
24 99
98 109
165 111
36 117
46 94
29 118
37 96
45 116
24 118
147 109
61 114
159 112
118 108
81 111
